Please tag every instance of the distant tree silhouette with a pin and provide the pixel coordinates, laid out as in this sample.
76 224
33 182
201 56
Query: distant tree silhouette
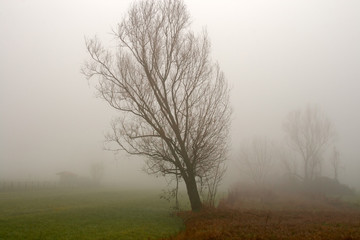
335 163
257 160
308 133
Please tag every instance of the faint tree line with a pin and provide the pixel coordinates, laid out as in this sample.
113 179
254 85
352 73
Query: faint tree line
27 185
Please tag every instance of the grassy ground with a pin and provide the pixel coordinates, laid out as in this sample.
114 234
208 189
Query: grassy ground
85 214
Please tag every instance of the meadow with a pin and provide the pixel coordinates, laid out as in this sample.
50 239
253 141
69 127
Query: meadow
86 214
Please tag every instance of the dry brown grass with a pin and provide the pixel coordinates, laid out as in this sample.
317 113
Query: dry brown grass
256 224
255 214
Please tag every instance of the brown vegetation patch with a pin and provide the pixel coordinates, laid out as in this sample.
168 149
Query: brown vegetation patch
260 224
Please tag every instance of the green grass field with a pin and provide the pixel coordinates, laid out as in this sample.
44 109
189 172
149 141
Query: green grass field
86 214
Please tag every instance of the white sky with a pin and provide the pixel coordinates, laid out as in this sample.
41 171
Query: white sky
277 55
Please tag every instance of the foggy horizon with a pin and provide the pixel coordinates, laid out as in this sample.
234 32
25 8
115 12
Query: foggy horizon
277 56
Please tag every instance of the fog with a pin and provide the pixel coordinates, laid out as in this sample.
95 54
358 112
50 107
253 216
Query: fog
278 56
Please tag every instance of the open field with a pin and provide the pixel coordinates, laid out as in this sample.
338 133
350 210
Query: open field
85 214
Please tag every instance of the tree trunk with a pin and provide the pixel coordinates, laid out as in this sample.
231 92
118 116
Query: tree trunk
193 194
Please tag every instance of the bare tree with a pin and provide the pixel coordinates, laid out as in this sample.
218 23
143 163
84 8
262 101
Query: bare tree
209 183
174 99
308 133
335 163
257 159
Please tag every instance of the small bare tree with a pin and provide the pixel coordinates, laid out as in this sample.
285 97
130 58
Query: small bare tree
210 181
174 100
335 163
308 133
172 192
257 159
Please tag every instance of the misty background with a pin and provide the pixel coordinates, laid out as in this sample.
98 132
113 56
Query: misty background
278 56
